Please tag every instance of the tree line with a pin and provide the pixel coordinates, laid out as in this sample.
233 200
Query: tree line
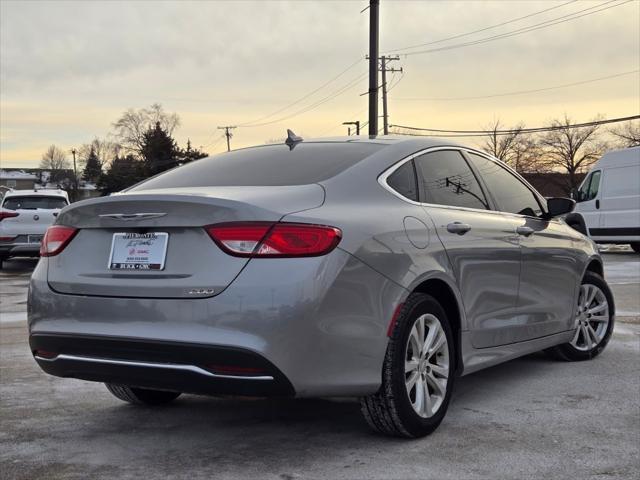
564 149
141 145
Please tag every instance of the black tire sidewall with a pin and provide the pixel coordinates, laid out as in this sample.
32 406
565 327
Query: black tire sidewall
419 305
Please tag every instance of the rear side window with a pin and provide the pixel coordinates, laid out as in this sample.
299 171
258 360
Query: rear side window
266 166
447 179
512 195
404 181
33 202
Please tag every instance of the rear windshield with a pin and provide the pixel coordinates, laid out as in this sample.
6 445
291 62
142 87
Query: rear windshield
33 202
266 166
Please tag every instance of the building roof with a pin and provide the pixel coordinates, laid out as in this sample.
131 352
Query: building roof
16 175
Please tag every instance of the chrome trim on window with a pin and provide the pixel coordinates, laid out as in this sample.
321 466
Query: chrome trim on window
382 180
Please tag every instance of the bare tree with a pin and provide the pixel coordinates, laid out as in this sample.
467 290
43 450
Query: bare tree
55 161
133 124
627 135
502 146
571 149
104 150
527 155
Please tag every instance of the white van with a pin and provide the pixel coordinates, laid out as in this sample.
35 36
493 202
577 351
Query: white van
609 198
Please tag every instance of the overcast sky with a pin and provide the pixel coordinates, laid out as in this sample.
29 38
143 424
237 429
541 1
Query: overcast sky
69 69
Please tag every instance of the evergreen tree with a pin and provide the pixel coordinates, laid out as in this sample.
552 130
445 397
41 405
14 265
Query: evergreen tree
159 150
190 154
93 167
123 173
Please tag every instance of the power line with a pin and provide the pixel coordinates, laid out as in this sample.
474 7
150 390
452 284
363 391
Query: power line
481 29
548 23
472 133
322 101
213 143
258 120
521 92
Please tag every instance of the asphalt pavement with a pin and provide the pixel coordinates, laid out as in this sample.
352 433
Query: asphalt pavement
529 418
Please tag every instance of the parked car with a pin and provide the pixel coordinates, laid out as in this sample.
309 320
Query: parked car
24 218
609 198
381 268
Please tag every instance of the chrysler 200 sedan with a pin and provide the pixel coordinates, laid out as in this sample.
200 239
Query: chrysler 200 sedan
381 268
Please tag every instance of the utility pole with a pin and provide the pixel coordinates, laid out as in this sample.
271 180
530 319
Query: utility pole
228 134
356 123
374 23
75 175
384 70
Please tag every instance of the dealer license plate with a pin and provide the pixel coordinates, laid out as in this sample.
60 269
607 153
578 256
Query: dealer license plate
138 251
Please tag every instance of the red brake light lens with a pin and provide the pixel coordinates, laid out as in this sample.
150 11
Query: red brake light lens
259 239
56 239
6 214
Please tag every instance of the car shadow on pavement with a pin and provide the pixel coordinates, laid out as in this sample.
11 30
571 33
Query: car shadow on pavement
319 418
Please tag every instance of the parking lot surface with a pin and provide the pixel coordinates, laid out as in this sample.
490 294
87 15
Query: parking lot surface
529 418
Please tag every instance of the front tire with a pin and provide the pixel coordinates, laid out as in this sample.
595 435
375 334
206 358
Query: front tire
417 374
594 320
141 396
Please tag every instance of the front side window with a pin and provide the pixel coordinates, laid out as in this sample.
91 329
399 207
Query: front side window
447 179
34 202
512 195
583 190
404 181
594 184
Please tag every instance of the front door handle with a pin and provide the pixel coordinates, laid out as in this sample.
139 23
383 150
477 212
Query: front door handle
525 231
459 228
598 204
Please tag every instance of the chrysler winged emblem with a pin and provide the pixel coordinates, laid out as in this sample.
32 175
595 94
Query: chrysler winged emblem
131 216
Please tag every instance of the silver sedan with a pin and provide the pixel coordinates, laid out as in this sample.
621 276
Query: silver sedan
381 268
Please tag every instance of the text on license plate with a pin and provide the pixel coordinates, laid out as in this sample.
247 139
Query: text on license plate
138 251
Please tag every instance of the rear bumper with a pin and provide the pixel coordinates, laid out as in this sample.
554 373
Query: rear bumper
320 323
189 368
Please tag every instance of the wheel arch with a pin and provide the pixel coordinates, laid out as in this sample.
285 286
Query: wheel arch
596 266
447 295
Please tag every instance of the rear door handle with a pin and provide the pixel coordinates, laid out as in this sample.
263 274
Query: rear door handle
459 228
526 231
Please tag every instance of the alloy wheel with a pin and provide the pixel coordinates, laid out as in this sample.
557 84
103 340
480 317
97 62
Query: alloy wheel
592 318
426 365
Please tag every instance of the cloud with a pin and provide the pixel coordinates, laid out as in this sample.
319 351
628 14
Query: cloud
69 68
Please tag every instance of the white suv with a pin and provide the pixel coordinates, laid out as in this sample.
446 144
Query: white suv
24 218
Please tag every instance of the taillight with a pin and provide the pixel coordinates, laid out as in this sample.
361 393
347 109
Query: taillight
4 215
261 239
56 239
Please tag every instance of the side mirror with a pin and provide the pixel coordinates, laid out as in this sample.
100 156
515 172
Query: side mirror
559 206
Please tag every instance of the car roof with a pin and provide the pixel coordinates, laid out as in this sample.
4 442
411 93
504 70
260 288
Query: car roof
396 144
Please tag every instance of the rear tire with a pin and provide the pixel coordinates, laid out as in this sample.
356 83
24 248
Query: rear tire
594 320
635 246
141 396
417 376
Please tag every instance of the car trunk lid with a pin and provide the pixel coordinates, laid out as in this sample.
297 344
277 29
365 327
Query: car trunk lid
194 266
